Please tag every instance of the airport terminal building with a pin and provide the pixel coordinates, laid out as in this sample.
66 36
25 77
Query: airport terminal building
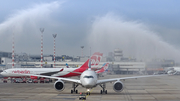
118 64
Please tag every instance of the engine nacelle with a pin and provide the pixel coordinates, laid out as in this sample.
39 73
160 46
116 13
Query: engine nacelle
118 86
59 85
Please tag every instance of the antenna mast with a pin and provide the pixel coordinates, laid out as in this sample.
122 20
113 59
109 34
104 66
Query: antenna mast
42 30
13 51
54 35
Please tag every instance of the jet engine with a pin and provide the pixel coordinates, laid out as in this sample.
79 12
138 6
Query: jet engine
59 85
118 86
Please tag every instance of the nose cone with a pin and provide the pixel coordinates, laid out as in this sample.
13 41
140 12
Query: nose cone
3 74
89 83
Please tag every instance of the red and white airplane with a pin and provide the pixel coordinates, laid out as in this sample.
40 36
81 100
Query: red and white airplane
88 79
58 72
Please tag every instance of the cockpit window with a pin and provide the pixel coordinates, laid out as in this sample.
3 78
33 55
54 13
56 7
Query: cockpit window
88 77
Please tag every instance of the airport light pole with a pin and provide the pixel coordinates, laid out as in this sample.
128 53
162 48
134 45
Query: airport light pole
13 51
54 35
42 30
82 50
90 51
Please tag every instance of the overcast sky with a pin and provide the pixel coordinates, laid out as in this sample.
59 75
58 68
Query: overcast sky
141 28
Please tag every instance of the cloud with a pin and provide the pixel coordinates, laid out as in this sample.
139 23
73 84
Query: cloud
25 25
105 34
134 38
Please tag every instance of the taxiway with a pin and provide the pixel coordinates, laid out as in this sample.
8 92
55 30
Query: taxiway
144 89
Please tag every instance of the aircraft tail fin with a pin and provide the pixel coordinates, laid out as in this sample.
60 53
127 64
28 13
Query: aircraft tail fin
67 65
93 61
103 69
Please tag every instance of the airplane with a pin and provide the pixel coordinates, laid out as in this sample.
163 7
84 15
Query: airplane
59 72
88 79
173 70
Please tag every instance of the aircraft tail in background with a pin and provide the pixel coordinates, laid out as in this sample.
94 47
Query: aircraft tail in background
103 69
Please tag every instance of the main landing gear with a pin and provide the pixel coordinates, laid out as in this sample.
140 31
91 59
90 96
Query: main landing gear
74 86
103 86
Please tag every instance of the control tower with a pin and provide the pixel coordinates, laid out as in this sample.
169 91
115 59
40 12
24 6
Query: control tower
118 54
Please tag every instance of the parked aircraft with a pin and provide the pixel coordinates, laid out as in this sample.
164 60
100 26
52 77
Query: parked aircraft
173 70
59 72
88 79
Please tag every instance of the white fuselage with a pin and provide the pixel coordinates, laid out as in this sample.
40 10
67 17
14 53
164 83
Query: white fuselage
177 69
18 72
88 79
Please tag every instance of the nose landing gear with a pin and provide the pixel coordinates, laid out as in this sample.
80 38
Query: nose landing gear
88 92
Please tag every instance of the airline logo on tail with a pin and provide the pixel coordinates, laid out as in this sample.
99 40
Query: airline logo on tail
96 58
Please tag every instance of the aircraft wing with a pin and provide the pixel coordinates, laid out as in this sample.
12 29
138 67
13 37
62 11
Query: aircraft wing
53 77
124 78
51 73
74 72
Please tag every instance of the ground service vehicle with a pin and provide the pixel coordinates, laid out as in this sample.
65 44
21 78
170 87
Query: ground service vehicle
46 80
4 81
82 96
35 81
42 80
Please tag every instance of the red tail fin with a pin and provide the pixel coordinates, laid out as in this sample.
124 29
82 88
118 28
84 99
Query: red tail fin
85 65
95 59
